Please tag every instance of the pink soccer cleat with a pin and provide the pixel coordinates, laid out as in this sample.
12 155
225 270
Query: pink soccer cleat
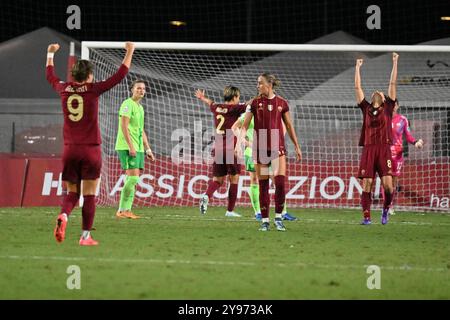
88 241
60 228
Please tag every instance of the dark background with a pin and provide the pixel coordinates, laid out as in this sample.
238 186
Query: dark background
257 21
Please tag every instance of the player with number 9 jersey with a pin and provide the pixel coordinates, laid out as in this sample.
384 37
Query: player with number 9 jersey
81 159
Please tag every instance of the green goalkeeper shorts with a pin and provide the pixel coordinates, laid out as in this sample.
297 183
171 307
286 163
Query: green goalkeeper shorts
249 165
128 162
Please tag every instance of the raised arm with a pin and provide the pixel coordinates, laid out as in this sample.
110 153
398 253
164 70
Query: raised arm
358 89
148 150
51 50
200 94
129 46
393 81
116 78
50 69
291 132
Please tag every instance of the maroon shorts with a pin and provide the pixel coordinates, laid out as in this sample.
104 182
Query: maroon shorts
220 170
266 157
375 158
81 162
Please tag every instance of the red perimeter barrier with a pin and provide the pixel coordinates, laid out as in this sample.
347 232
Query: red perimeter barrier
37 182
12 180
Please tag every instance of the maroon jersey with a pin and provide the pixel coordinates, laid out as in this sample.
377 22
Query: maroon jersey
225 115
80 106
377 123
268 116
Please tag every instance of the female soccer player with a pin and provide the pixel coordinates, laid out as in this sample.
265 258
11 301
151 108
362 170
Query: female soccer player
400 127
253 191
269 111
376 140
82 159
225 162
131 144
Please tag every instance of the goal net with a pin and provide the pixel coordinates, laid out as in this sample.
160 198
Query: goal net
318 82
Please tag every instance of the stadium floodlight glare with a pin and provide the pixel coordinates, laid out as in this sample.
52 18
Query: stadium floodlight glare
178 23
445 18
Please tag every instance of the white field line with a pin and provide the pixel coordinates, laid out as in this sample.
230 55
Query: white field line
308 220
221 263
246 219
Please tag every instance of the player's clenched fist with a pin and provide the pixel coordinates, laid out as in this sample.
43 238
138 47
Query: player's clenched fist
395 56
359 62
419 144
129 46
53 47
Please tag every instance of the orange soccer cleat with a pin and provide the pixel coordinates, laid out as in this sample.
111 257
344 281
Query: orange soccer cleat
88 241
126 214
60 228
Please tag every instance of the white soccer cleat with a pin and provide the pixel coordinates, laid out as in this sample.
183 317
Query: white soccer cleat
204 204
232 214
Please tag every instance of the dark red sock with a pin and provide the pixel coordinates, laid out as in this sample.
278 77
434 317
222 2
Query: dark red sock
88 212
387 199
232 196
212 187
69 202
366 202
280 194
264 198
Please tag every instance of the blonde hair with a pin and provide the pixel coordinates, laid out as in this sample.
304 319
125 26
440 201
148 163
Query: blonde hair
230 92
272 79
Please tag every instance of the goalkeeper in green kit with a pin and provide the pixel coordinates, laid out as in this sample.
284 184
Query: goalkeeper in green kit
132 146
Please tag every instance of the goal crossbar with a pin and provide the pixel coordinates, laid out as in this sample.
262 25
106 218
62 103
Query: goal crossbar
87 45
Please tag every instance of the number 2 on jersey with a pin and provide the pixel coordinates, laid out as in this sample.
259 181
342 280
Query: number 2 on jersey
75 113
221 119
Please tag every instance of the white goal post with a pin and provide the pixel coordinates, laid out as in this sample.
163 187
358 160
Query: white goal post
317 80
87 45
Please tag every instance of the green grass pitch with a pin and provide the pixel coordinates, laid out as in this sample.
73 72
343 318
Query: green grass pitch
174 253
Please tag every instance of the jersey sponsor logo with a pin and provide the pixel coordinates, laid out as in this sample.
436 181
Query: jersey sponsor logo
270 107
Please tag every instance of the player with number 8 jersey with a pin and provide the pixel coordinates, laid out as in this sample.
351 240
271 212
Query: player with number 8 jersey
376 140
82 152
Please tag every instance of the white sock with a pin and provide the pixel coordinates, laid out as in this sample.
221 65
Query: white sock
85 234
278 216
265 220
